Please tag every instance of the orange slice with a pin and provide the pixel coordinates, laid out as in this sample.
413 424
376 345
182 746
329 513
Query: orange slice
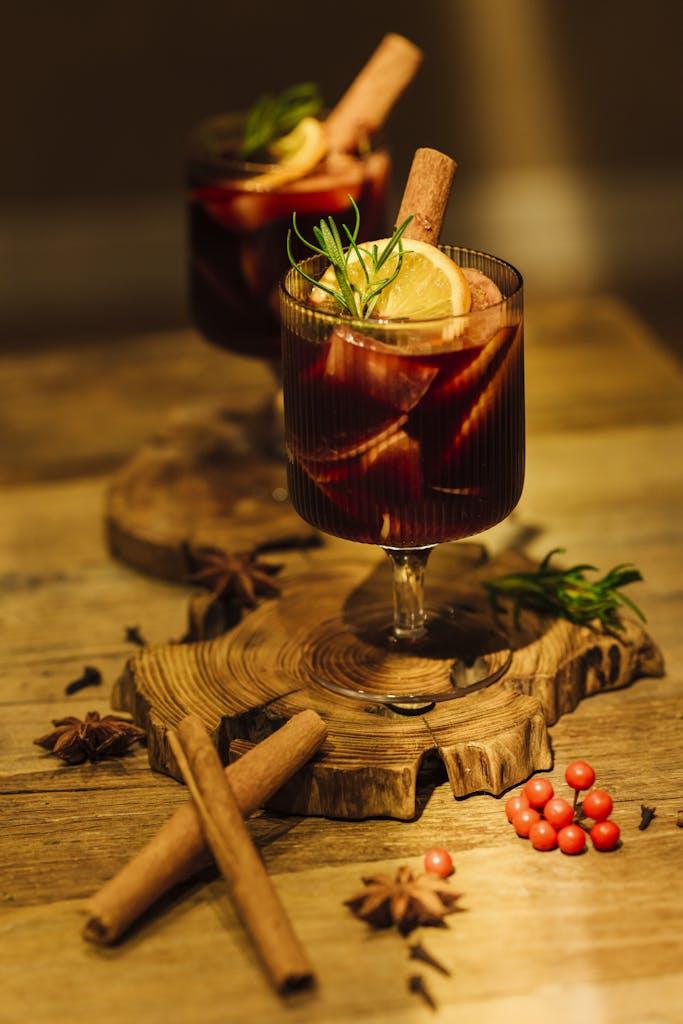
297 153
429 284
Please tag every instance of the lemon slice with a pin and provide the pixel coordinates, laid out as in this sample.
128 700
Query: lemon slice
297 153
429 284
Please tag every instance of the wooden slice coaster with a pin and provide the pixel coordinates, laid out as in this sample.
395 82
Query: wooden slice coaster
247 682
199 484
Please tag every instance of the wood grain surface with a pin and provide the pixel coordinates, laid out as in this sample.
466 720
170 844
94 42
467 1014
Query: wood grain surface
203 481
594 938
246 682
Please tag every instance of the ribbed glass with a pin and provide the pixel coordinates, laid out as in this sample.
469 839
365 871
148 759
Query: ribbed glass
405 434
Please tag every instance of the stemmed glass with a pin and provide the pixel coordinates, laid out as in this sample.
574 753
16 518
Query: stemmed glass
405 434
237 250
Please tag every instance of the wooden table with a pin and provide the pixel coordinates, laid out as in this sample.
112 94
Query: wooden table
596 938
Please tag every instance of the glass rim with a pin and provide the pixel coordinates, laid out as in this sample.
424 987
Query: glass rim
331 318
231 121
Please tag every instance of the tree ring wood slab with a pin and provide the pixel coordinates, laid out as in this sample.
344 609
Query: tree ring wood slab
248 681
202 482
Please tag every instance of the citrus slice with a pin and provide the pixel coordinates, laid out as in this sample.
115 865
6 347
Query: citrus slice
297 153
428 285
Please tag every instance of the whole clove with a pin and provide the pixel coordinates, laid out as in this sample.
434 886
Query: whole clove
646 816
679 819
90 677
418 952
417 986
134 636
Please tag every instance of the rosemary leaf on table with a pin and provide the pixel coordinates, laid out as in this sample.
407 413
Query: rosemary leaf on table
568 593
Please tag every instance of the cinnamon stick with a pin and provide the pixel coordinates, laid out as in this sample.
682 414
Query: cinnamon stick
178 850
426 194
252 890
365 105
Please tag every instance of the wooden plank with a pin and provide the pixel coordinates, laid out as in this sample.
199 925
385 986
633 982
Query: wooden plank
67 603
120 805
604 514
596 937
78 608
593 364
590 361
81 410
194 964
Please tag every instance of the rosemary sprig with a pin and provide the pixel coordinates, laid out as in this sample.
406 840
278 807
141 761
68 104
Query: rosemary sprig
358 301
273 116
567 593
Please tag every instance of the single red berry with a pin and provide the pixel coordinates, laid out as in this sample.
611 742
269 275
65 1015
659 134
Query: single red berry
558 812
597 804
605 835
524 819
579 775
543 836
514 804
438 862
538 792
571 839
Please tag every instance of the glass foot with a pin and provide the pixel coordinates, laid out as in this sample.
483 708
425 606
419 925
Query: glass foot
364 661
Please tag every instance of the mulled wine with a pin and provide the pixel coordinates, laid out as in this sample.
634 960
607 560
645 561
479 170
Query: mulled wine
237 233
405 434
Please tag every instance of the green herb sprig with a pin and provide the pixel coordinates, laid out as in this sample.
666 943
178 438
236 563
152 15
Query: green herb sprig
273 116
358 301
567 593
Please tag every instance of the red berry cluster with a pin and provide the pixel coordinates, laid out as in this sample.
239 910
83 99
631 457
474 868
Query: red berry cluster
548 820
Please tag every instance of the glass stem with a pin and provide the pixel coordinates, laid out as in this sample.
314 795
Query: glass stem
408 566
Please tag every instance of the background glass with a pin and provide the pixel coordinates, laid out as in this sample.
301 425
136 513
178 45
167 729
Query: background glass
237 237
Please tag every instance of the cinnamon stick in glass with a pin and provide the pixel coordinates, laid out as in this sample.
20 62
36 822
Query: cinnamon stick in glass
253 892
179 850
366 104
426 194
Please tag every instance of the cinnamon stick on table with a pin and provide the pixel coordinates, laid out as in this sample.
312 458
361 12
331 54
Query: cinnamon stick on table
365 105
179 850
426 194
253 892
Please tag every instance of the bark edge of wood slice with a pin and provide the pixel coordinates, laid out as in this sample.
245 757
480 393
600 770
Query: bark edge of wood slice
246 683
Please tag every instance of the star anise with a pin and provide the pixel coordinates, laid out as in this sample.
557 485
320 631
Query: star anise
92 739
406 900
242 577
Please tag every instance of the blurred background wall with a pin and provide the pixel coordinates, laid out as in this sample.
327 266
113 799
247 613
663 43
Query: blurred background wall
565 119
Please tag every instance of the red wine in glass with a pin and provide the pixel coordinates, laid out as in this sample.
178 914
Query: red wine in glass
405 434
